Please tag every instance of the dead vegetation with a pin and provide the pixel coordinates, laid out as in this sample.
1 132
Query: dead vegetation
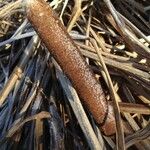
39 108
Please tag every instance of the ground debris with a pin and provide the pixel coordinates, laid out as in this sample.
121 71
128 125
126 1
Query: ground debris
39 107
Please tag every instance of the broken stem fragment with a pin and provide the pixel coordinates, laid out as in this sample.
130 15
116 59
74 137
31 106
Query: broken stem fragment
61 46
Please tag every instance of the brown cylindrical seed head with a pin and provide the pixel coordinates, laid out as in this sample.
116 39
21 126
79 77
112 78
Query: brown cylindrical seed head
57 40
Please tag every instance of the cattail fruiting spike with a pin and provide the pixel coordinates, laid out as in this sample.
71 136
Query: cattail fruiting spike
61 46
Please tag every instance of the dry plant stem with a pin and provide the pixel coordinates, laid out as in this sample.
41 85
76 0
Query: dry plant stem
134 108
59 43
88 26
75 14
143 21
136 21
99 41
17 126
8 8
131 41
17 73
119 129
119 59
63 9
39 134
9 85
140 33
121 66
138 136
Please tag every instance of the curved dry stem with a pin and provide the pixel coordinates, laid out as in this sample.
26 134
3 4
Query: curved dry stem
75 14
